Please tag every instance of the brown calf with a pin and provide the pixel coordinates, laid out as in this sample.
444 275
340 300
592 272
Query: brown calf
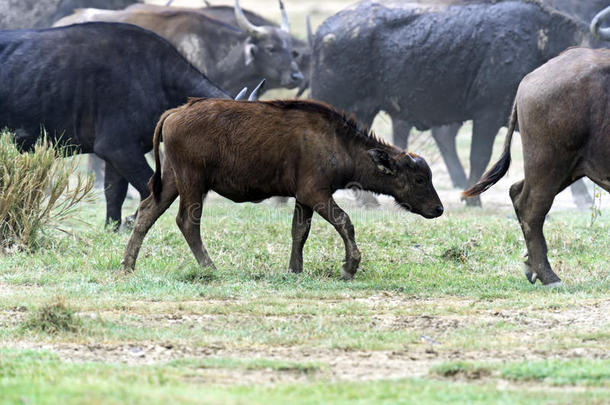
564 119
249 151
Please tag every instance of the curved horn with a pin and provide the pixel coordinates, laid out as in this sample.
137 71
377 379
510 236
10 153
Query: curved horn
254 94
285 25
169 3
601 33
243 22
309 31
410 160
241 94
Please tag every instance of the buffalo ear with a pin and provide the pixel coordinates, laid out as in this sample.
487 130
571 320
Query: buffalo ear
249 51
385 164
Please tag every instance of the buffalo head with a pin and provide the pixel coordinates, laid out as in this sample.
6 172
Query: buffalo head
407 178
270 49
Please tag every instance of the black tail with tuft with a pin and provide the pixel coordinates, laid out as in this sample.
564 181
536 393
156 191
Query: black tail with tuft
498 170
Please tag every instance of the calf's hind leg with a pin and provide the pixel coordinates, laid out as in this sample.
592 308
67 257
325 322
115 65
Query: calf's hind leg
188 220
148 213
531 206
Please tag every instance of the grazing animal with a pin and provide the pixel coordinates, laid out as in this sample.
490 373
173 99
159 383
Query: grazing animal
18 14
436 64
252 151
563 114
231 55
99 87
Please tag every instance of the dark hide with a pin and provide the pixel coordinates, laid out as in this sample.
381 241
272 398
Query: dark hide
17 14
215 48
432 65
301 51
563 113
99 87
248 151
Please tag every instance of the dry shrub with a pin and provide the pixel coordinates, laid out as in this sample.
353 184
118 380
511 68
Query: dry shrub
38 191
53 318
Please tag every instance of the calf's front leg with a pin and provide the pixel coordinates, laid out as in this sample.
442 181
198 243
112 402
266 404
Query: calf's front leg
301 224
330 211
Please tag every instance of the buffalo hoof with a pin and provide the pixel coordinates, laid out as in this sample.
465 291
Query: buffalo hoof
346 275
127 224
473 202
547 278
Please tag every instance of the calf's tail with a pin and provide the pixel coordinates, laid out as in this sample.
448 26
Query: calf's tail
498 170
154 184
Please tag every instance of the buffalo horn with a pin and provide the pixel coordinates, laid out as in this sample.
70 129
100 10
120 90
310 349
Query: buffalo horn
601 33
169 3
244 24
409 159
285 25
241 94
254 94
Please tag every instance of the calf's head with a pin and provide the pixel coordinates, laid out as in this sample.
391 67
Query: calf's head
407 178
269 50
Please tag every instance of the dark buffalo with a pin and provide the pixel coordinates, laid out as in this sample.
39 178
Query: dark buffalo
301 50
435 64
99 87
252 151
231 55
583 9
564 119
16 14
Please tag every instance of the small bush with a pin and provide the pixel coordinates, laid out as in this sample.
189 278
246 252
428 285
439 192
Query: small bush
38 191
54 318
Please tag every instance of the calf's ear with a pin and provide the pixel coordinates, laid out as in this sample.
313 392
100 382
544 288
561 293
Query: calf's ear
385 164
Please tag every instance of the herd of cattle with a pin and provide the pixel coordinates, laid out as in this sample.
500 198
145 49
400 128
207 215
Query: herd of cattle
100 80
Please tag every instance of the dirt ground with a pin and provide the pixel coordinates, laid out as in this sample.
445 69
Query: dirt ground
414 360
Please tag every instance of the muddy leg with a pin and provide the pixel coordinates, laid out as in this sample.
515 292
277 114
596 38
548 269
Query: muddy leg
483 136
188 220
115 189
401 130
330 211
531 206
148 213
580 194
95 165
445 140
301 223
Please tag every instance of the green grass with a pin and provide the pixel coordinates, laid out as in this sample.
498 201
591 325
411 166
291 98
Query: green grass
42 378
456 280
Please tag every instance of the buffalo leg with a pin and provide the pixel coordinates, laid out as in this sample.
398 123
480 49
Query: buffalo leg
95 165
483 136
115 190
531 206
401 130
366 117
330 211
580 194
148 213
188 220
301 224
444 137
